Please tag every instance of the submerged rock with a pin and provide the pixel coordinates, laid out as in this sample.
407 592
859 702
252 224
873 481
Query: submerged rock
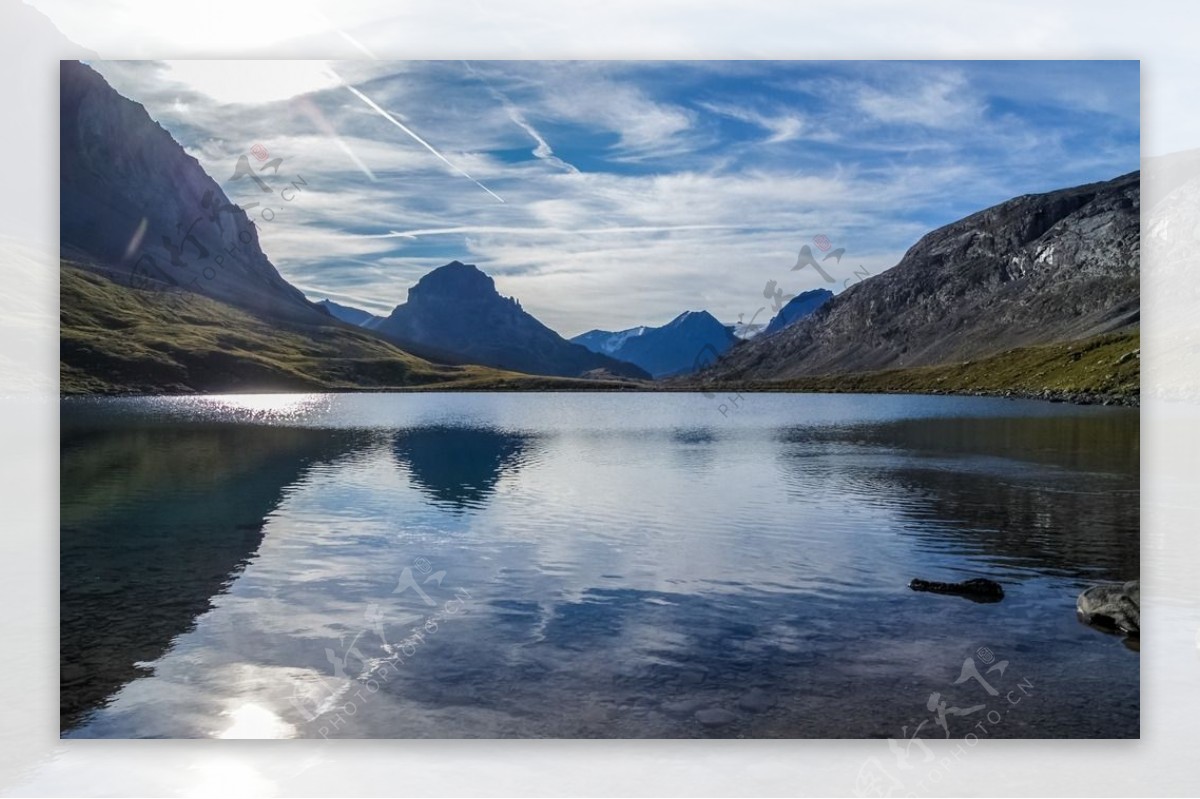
1112 606
715 717
685 707
977 590
756 701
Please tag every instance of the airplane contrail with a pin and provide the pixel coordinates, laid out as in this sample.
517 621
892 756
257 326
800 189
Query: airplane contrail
317 118
356 43
412 234
379 110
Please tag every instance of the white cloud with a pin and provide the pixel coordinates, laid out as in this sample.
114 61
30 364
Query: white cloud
940 100
252 82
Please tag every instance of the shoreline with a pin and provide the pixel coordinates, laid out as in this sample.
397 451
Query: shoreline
1045 395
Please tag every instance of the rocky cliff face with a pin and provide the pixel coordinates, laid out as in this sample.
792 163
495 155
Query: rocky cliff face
689 341
1033 270
456 310
136 207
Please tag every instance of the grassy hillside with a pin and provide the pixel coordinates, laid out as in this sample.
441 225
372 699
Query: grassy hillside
1100 369
119 340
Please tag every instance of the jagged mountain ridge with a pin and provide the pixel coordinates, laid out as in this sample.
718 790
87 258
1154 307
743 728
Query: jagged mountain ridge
1036 269
689 341
456 309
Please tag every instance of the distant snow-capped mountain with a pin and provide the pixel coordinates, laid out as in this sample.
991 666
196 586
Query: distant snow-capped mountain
689 341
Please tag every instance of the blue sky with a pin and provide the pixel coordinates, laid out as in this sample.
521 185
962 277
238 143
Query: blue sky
613 194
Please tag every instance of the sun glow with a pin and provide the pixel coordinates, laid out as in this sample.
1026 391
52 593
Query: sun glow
252 81
255 721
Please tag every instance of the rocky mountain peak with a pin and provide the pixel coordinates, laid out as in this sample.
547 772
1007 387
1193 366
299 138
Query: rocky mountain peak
456 310
136 207
455 279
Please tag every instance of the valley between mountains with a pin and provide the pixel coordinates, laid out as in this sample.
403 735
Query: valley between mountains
1035 297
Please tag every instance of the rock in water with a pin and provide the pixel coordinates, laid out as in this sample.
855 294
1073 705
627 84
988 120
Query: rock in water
756 701
977 590
715 717
1112 606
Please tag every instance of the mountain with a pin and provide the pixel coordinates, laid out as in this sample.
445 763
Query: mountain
797 308
119 340
164 288
456 309
136 207
1037 269
606 342
350 315
689 341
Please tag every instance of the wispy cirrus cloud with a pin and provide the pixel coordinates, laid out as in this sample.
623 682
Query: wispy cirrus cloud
939 100
781 126
543 149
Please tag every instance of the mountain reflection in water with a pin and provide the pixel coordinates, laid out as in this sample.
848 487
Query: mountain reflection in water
626 565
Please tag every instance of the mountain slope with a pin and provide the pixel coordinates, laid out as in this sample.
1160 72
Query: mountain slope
117 339
679 347
164 288
797 308
137 207
349 315
1102 369
1033 270
456 309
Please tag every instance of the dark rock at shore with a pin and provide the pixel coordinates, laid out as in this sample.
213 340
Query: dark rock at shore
1114 607
978 590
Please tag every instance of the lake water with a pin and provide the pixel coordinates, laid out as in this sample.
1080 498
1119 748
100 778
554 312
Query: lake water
582 565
